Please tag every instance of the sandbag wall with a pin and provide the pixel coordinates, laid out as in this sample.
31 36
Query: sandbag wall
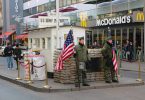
68 74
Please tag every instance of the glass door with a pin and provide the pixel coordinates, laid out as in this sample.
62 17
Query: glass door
89 38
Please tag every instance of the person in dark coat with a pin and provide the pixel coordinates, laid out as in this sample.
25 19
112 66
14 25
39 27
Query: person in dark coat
17 54
109 72
8 52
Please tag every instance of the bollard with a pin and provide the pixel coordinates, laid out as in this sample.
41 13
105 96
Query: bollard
46 79
18 66
120 63
139 69
29 80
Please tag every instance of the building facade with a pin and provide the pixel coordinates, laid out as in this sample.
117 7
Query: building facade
12 16
122 19
1 22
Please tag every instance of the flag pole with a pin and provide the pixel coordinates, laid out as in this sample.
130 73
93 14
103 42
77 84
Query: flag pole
57 23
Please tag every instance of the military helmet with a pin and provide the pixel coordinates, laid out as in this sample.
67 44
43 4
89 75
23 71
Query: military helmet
109 38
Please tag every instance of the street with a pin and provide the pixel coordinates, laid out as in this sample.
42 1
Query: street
132 74
9 91
72 49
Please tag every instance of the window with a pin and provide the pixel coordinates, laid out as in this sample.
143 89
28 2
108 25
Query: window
61 3
74 1
53 5
34 10
37 43
64 2
27 12
49 43
47 6
41 8
69 2
43 43
26 1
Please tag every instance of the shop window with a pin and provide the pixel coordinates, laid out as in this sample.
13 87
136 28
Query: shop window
64 3
131 31
106 33
74 1
124 36
34 10
113 34
53 5
101 37
95 37
43 43
118 37
89 38
49 43
138 38
37 41
69 2
61 3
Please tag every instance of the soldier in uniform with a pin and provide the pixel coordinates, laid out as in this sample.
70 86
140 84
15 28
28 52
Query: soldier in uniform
109 72
81 55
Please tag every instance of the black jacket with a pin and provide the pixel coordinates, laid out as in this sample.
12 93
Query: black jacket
8 51
17 52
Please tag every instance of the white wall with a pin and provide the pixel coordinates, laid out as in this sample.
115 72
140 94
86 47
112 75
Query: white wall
77 32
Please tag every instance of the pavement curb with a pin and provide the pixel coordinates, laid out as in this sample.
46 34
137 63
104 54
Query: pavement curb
36 89
131 70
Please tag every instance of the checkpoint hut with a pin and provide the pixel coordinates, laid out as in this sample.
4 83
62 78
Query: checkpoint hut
45 39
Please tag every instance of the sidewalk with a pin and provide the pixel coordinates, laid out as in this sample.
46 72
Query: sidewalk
133 66
10 75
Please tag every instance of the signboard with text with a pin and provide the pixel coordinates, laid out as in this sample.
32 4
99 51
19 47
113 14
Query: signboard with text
113 21
138 16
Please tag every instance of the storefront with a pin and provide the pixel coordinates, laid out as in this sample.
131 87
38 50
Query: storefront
121 28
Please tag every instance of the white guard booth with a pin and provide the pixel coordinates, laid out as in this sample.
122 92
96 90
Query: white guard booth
45 39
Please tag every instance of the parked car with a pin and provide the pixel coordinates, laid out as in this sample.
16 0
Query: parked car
2 50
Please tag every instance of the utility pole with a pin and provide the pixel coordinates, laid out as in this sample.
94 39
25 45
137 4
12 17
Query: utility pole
144 30
57 24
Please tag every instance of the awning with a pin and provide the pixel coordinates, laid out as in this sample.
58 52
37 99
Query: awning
68 9
97 1
36 16
22 36
8 33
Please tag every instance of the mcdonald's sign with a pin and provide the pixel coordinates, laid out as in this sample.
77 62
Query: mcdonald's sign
83 19
138 16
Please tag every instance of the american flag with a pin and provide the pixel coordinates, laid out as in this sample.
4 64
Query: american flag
114 60
67 51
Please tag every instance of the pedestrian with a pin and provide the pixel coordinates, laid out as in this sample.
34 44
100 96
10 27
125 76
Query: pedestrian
127 50
17 54
8 52
95 45
109 71
81 55
131 51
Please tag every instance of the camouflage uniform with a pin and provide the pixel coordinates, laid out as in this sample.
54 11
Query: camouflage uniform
109 72
81 58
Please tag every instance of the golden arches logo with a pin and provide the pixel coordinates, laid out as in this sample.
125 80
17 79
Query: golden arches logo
140 16
83 19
